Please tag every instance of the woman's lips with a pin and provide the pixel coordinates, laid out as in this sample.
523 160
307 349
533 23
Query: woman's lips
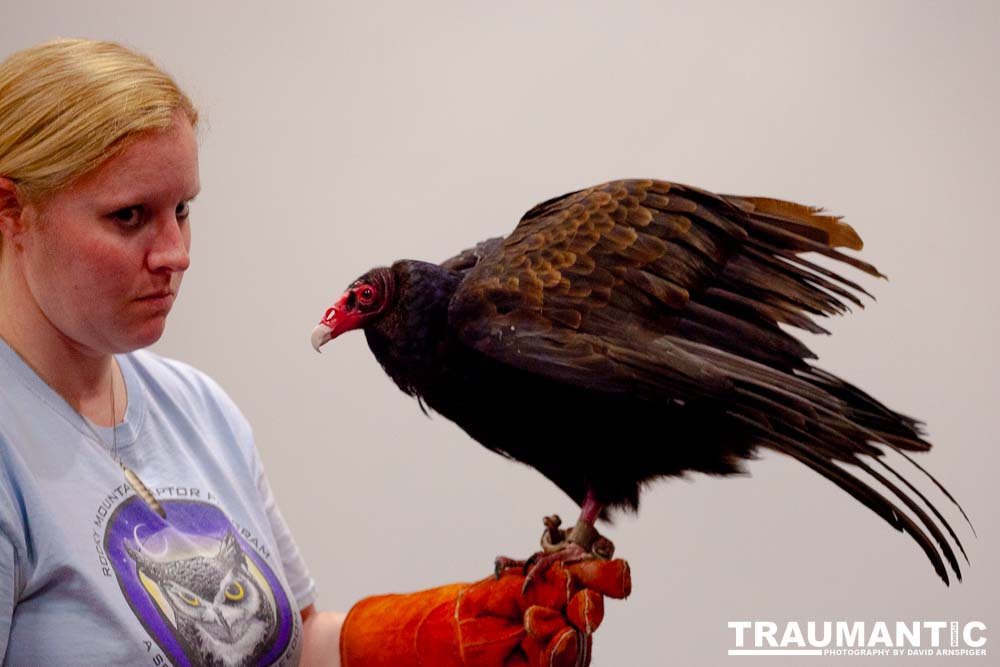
158 299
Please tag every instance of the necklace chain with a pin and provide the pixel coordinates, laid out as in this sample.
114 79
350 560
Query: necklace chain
130 475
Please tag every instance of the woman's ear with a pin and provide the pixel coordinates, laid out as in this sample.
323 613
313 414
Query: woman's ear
11 208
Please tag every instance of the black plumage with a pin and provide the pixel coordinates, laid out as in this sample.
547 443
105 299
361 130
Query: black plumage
630 331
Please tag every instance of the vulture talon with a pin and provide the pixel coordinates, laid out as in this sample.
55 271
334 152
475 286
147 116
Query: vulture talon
554 538
502 563
603 548
529 564
541 561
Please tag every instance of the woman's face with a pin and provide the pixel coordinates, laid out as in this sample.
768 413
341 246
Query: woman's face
103 258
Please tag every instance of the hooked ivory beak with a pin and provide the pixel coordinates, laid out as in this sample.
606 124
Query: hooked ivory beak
320 335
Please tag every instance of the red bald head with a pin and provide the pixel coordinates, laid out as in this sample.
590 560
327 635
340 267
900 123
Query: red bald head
364 299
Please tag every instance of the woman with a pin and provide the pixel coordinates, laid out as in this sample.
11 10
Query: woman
136 523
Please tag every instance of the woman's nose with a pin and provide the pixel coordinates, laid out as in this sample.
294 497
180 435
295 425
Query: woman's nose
170 247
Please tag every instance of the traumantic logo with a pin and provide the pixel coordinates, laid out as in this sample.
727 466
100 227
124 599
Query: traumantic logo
857 638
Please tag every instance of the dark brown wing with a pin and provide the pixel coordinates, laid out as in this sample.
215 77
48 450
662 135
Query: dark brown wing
669 292
469 257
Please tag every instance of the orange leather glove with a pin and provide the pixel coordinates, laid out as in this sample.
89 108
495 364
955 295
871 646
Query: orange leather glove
489 623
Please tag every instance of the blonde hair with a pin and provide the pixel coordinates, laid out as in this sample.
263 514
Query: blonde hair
68 105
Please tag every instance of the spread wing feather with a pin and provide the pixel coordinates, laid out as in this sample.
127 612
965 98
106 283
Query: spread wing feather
669 292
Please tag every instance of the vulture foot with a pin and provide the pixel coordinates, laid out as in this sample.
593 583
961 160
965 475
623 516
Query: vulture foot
582 542
584 534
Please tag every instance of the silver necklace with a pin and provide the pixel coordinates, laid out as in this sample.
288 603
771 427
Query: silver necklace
130 476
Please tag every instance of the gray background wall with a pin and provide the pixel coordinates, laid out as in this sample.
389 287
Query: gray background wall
339 136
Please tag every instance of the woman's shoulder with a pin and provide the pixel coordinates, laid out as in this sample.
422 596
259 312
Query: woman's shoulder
169 380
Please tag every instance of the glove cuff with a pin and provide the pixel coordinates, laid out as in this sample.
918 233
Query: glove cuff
411 630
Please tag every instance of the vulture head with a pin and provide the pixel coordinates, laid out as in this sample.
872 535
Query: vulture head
364 301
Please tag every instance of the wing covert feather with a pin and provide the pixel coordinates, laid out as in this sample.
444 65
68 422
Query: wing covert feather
657 259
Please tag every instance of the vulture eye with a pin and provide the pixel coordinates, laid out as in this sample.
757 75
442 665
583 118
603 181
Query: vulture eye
366 295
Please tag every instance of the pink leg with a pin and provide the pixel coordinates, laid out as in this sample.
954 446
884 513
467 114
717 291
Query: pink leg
591 508
585 534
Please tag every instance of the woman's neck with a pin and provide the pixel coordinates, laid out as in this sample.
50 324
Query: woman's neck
85 379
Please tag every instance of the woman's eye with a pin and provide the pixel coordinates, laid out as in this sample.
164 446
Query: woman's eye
127 217
183 210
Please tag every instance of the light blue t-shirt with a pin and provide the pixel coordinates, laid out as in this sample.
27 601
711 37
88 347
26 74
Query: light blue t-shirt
90 575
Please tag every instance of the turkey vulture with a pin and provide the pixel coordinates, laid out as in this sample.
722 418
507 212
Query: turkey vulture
630 331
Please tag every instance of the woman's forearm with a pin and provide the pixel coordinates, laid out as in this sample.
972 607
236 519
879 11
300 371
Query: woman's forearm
321 637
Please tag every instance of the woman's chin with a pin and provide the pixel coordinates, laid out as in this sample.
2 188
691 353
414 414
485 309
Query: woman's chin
144 336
